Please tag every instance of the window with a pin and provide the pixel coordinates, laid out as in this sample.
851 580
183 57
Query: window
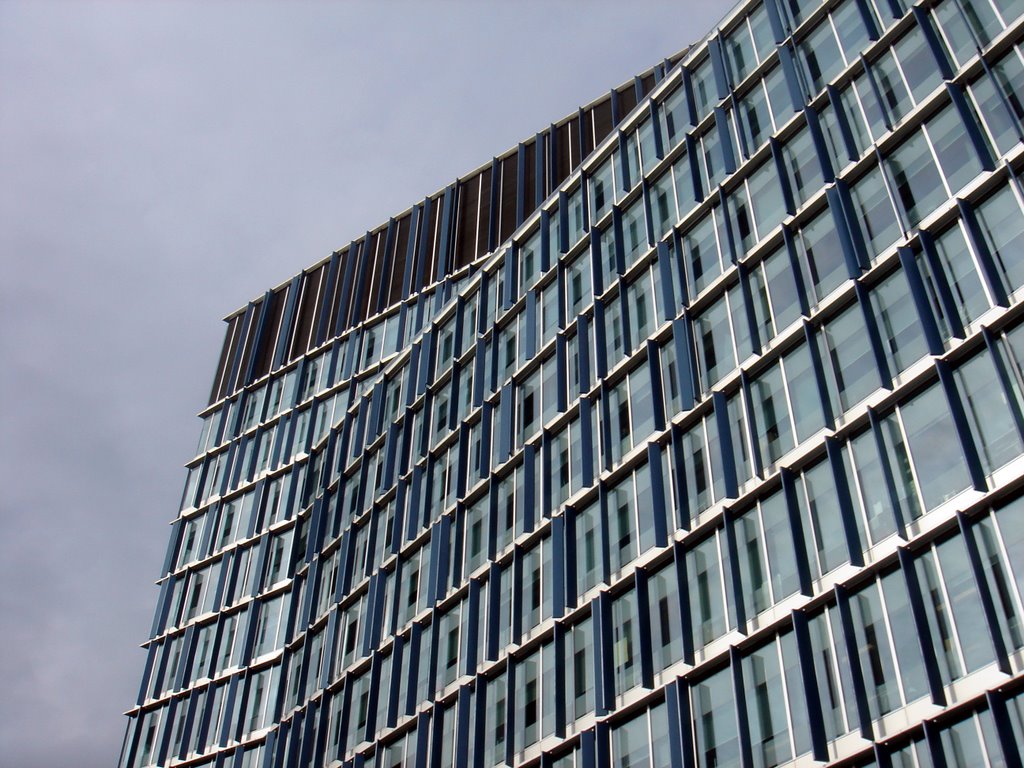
851 361
1002 229
717 740
707 591
898 323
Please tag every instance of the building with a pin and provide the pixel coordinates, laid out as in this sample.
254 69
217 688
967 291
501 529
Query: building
693 437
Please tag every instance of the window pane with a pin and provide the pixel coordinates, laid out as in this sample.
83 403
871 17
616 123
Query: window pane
1002 228
876 660
766 707
802 382
988 411
934 447
766 195
778 536
714 711
965 600
666 619
822 253
961 275
918 187
713 338
626 648
801 161
703 264
898 324
707 606
821 509
782 288
854 372
771 414
875 212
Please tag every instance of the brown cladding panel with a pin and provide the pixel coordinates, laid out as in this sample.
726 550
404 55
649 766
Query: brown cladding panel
627 100
484 192
563 158
247 349
398 261
602 121
366 291
431 234
647 83
469 212
305 313
220 384
507 224
267 343
529 192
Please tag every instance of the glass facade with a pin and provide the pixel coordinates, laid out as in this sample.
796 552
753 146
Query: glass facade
715 460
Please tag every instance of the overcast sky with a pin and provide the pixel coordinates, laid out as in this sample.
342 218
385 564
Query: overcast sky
161 163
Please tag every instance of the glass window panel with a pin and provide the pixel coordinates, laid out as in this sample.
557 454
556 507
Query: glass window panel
912 673
875 212
754 118
771 414
626 643
778 536
802 167
715 726
965 601
682 174
779 97
739 51
740 323
766 194
1002 228
741 219
589 568
918 63
821 56
666 619
899 463
752 567
854 372
934 446
876 505
804 395
893 90
630 743
703 261
849 25
622 536
782 288
705 94
1000 581
676 119
634 231
957 158
601 193
875 651
663 206
704 576
960 273
822 254
918 185
713 338
822 510
898 323
766 707
988 412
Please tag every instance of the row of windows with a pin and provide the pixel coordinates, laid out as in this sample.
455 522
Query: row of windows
961 594
388 335
873 485
910 171
852 354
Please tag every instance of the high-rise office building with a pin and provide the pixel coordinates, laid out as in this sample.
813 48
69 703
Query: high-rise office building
688 433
